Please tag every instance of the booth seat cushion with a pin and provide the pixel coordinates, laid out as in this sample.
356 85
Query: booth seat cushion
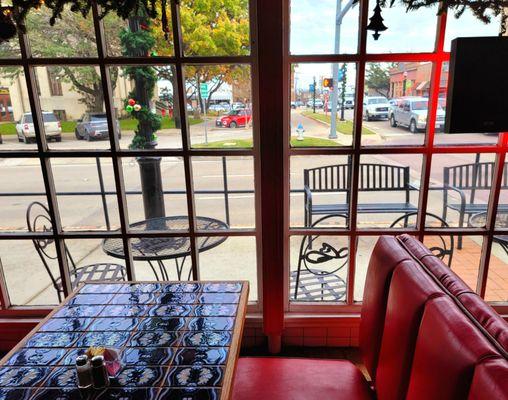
490 381
493 323
273 378
448 348
387 255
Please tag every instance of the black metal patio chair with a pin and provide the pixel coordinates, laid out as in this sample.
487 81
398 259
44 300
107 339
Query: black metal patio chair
38 220
315 278
444 248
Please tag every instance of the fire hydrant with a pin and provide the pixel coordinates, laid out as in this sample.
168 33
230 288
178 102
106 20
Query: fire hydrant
299 132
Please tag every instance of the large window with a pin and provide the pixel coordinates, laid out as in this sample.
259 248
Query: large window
81 192
351 129
366 154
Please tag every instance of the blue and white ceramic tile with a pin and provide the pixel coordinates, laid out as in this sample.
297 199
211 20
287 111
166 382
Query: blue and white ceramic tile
65 325
90 299
36 356
103 339
23 376
113 324
177 298
162 324
99 288
189 394
215 310
72 354
194 376
207 338
62 377
140 288
222 287
48 339
127 394
201 356
181 287
206 298
16 394
147 355
68 393
172 310
123 311
78 311
133 298
142 376
211 323
154 338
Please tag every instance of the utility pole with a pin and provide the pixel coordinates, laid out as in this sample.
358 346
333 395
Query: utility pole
340 13
314 95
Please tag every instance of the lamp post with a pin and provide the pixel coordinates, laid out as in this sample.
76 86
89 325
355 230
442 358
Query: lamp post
404 83
340 13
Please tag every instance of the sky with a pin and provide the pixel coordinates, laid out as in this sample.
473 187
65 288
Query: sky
313 32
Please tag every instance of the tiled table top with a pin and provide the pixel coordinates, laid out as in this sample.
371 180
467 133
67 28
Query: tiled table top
176 340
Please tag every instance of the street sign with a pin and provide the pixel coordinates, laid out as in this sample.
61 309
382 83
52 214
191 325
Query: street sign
311 87
203 89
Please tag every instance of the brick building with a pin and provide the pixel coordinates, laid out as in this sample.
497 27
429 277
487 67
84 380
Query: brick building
413 79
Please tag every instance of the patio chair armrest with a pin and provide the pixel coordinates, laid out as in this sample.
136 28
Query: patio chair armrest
460 192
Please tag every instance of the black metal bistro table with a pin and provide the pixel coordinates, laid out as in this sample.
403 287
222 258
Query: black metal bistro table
479 221
158 249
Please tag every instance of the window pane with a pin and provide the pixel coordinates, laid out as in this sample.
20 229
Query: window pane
86 193
155 188
27 280
497 280
71 36
469 26
364 250
396 104
153 88
219 28
388 188
319 266
319 186
219 105
224 190
22 184
408 32
314 27
13 105
115 28
465 262
458 138
312 99
460 187
221 262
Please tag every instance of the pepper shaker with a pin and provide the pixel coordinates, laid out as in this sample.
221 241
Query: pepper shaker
83 372
100 375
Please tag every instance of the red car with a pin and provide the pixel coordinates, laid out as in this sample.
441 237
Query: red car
234 119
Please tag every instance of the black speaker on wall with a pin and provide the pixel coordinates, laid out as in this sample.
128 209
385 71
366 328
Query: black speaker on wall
477 98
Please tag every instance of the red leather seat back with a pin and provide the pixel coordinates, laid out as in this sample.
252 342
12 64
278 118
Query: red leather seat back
447 349
493 323
490 381
387 254
410 289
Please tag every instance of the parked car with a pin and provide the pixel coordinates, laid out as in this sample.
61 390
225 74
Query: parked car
319 103
375 107
26 132
234 119
412 113
394 103
349 103
293 105
238 106
219 107
94 126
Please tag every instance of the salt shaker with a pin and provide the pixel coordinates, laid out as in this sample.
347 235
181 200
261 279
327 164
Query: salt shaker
83 372
100 375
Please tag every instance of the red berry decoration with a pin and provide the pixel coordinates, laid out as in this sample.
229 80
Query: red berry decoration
132 102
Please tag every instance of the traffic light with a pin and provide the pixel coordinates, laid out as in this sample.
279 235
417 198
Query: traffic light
328 82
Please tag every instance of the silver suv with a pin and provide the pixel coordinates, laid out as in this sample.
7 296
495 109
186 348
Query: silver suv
375 108
412 113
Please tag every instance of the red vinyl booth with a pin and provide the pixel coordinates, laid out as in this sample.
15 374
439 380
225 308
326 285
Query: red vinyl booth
424 334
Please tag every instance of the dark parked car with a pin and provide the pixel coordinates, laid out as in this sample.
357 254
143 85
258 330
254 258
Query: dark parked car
94 126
